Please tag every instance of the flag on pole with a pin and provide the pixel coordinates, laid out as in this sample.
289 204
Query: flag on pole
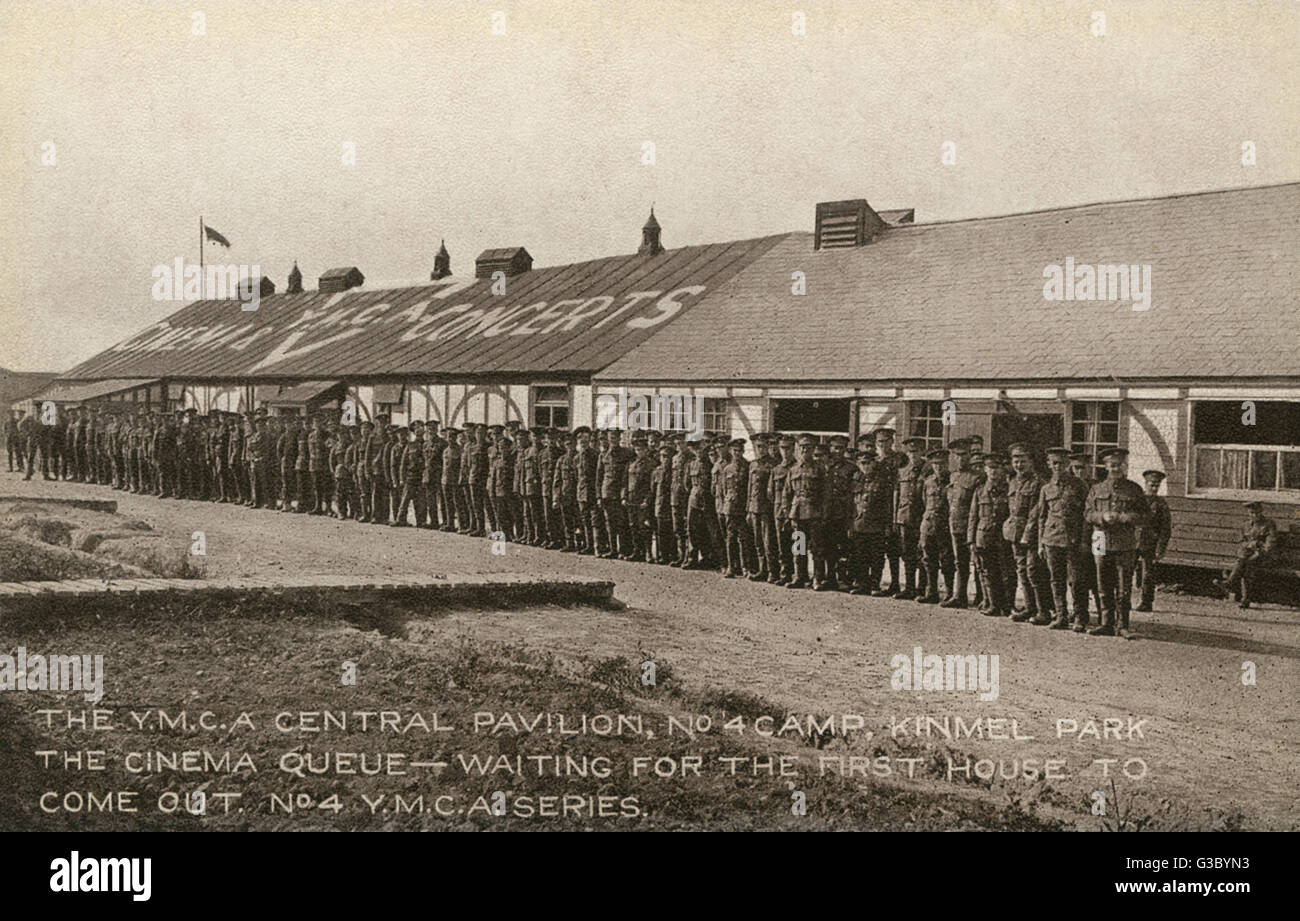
215 237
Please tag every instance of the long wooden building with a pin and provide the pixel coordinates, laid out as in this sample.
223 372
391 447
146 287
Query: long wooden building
968 327
1167 326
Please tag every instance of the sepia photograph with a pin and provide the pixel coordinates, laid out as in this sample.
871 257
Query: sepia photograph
736 416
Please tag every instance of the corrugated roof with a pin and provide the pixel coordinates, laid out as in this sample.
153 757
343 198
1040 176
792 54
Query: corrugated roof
304 392
16 386
71 391
571 319
964 300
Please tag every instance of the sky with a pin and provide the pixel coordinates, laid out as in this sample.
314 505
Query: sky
121 123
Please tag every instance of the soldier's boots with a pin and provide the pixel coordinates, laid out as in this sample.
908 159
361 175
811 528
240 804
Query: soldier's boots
1021 616
1102 630
1041 620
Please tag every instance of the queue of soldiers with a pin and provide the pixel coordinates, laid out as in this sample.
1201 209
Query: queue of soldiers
804 512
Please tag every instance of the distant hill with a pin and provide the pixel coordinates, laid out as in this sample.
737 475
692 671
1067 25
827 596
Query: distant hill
19 385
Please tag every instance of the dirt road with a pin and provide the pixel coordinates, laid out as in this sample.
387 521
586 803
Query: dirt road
1219 752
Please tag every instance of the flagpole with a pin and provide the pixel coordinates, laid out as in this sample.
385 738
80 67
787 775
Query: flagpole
200 257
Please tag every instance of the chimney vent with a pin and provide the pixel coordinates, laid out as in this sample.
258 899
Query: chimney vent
441 263
265 287
650 245
512 260
846 223
341 279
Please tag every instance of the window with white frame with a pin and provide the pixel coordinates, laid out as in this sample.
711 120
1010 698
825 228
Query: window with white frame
1094 427
1246 446
551 406
925 420
715 416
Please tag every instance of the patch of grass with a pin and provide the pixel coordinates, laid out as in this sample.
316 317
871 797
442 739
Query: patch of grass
25 560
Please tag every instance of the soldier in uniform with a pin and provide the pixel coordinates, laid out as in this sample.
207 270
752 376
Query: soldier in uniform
28 438
986 534
837 518
564 492
220 456
56 437
699 507
343 460
191 456
318 465
808 491
288 458
480 463
376 461
259 449
501 484
661 506
164 457
1081 466
528 488
410 472
611 475
873 517
361 470
883 439
1116 508
586 460
933 534
976 443
1024 491
13 442
469 457
680 497
734 508
761 517
84 454
1256 547
431 476
453 515
132 451
71 424
548 520
719 455
636 496
393 467
234 458
113 459
1061 541
1153 537
909 504
779 492
961 490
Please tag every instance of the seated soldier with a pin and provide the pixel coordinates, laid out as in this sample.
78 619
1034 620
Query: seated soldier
1256 548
